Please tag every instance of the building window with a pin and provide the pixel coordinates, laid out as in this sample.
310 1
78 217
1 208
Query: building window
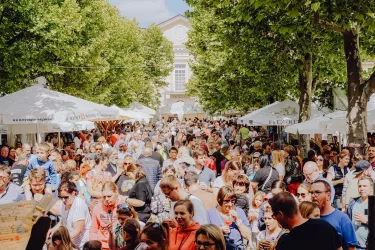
179 76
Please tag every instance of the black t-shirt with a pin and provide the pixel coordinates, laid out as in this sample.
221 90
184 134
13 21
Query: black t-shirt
261 176
6 161
124 184
18 173
142 191
314 234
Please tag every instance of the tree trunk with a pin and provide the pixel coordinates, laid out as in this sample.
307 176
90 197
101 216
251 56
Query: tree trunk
356 117
306 86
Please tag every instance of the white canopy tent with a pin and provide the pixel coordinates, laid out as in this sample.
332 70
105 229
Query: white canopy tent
138 107
131 114
246 119
46 128
314 126
39 109
332 123
279 114
339 124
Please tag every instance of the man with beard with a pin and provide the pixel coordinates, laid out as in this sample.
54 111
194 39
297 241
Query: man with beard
9 192
321 195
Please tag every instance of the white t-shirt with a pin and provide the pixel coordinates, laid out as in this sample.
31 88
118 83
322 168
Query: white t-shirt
281 169
78 211
253 134
219 182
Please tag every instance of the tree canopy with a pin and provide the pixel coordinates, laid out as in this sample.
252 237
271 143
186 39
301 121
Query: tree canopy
83 48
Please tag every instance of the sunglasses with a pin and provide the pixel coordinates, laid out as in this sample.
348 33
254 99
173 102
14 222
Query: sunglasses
319 159
123 207
63 197
127 163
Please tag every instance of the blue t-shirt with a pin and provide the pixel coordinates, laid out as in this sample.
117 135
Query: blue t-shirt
343 226
48 166
234 236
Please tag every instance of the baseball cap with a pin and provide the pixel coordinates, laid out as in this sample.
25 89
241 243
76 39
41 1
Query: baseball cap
361 166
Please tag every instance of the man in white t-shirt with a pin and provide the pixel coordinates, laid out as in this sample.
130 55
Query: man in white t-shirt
75 214
252 134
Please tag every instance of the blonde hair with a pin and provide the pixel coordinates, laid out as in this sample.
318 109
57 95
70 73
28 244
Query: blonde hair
44 147
70 165
37 174
169 181
110 186
277 157
58 165
261 194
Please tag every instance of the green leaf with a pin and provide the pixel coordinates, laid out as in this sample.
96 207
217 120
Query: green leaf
315 6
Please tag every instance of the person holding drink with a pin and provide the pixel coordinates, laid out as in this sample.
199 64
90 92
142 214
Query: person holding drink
267 239
232 220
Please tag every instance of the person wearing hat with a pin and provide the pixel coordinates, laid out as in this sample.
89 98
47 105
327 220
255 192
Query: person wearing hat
350 190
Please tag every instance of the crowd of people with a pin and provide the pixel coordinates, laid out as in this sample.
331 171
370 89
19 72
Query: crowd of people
194 184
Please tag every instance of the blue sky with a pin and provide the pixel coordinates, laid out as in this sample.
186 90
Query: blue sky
150 11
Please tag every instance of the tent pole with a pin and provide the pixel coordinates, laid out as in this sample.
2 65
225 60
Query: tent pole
38 137
58 140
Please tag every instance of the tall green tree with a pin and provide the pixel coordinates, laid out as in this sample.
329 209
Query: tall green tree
275 47
84 48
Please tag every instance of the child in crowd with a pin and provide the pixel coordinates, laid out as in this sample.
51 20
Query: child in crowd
42 161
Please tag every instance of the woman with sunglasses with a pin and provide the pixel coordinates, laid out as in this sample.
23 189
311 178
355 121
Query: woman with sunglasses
183 236
303 192
124 213
209 237
155 236
232 220
124 183
75 214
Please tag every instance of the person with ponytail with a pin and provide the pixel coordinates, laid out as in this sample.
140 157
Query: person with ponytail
155 236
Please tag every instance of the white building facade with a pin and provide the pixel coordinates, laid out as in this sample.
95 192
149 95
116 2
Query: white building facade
176 30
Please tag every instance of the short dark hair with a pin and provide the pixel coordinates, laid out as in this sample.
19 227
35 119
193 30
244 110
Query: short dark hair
68 187
92 245
284 202
265 145
225 191
173 148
